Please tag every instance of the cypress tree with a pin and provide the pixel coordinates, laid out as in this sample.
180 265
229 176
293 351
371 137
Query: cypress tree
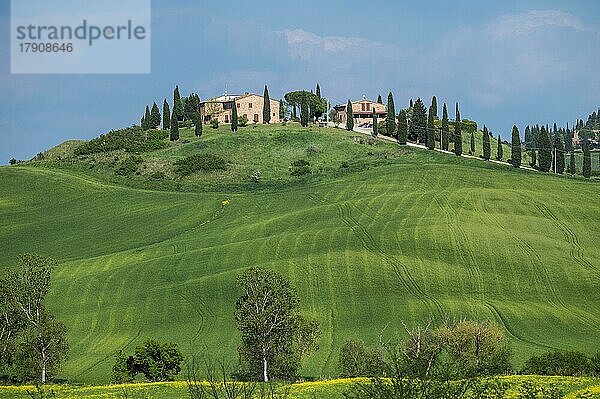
533 162
559 152
487 150
402 127
587 158
349 117
500 150
528 141
515 158
434 107
143 122
457 134
374 123
146 125
198 125
318 91
379 99
390 119
166 116
304 112
410 104
177 105
445 128
472 147
572 169
234 117
266 106
155 116
430 130
174 127
418 124
545 151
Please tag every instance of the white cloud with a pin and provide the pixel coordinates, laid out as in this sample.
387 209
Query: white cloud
520 24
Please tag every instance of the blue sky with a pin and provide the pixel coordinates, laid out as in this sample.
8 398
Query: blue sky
506 62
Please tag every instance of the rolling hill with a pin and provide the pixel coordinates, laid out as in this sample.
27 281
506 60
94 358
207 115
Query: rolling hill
396 234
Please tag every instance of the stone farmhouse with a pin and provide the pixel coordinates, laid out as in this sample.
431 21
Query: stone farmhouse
363 112
249 105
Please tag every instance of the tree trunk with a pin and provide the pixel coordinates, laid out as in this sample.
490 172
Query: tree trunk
265 376
43 367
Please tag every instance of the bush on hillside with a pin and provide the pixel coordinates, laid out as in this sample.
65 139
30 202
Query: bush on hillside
157 361
569 363
300 167
358 360
129 165
199 163
131 139
214 123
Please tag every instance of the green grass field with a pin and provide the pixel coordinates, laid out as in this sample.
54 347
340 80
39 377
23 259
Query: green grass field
399 235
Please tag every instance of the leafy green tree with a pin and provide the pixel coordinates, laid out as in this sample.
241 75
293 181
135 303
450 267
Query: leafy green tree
545 151
155 116
177 105
166 116
587 158
266 106
379 99
234 117
198 125
268 317
430 131
572 169
390 120
375 132
349 117
158 362
402 127
358 360
434 107
487 150
418 123
559 152
445 128
500 150
174 127
515 159
457 134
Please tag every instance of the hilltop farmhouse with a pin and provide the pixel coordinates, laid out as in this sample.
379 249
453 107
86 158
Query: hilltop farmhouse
363 112
249 105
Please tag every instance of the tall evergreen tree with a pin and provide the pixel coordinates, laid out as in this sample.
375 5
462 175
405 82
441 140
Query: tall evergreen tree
559 152
587 158
515 158
572 169
174 127
318 91
304 112
155 116
410 104
545 151
234 117
375 133
349 117
198 125
457 134
390 120
430 130
147 125
418 124
500 150
379 99
533 162
487 150
472 146
266 106
402 127
528 141
166 116
445 128
434 107
177 105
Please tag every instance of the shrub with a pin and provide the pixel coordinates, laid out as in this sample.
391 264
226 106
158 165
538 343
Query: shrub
129 165
199 162
158 175
157 361
595 364
300 167
214 123
131 139
570 363
12 161
243 121
313 149
357 360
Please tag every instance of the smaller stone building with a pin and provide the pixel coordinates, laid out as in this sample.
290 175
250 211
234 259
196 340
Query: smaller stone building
250 105
362 110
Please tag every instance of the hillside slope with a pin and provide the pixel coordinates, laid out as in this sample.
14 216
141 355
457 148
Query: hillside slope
407 237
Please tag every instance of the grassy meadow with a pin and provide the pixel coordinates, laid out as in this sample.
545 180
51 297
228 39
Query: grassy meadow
396 234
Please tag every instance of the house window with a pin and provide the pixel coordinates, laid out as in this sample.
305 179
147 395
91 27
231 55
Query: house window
363 106
255 117
249 105
226 118
238 105
368 107
273 113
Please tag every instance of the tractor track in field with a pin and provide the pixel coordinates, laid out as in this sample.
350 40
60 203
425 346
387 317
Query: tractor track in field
576 251
370 244
464 252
